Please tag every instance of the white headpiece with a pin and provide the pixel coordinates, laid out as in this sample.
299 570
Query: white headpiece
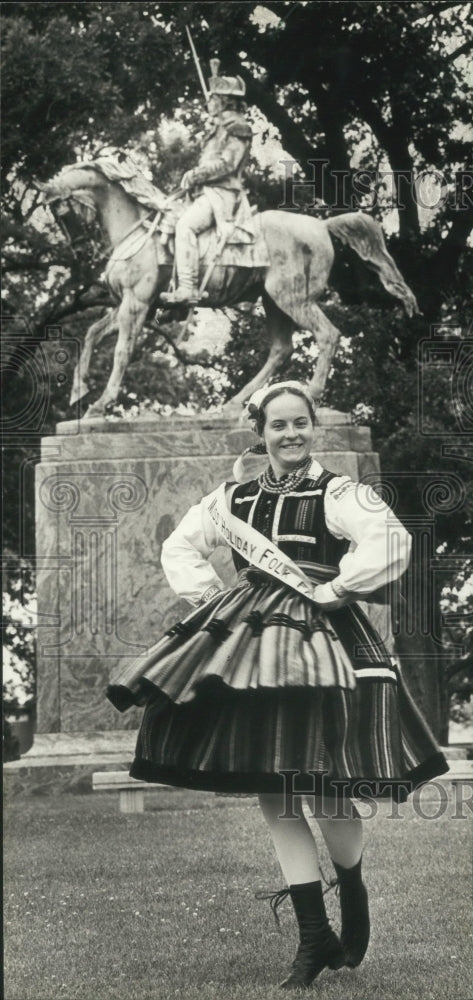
256 401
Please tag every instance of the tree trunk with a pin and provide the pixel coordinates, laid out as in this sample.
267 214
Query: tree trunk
292 136
444 265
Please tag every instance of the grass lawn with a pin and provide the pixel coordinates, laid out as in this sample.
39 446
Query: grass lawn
104 906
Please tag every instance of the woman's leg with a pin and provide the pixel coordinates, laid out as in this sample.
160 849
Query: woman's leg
297 854
343 836
293 840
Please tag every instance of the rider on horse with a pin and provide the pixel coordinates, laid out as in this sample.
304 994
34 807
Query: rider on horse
215 185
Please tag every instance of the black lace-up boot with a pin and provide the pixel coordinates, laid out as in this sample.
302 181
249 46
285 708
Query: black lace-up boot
319 946
355 913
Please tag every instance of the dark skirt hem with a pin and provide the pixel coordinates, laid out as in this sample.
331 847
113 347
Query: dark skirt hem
284 782
123 698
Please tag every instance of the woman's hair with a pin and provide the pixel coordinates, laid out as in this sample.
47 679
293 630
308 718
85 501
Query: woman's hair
259 415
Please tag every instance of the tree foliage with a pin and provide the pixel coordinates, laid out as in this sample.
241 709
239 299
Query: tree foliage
357 85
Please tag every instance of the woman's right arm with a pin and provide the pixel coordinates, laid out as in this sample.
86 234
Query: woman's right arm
185 555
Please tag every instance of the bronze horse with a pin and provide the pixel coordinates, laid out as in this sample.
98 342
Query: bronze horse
299 254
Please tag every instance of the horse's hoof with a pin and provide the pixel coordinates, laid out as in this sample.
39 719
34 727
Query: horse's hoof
93 412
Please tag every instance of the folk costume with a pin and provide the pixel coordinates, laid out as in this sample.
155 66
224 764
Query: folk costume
215 185
260 681
282 676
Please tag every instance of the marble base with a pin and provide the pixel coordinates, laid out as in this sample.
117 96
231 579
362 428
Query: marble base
65 762
51 780
108 494
51 749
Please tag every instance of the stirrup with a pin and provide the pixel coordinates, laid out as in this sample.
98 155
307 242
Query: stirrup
180 297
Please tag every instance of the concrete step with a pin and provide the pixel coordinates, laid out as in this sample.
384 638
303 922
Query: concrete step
65 762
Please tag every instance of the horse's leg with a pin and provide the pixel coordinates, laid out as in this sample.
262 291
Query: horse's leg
100 329
326 336
307 315
281 328
131 315
301 255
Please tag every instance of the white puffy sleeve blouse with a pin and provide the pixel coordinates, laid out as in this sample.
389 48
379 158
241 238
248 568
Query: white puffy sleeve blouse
379 545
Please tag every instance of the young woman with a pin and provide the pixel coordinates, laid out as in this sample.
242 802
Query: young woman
282 678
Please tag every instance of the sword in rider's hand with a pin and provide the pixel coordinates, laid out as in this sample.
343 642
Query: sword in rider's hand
185 324
194 56
225 236
197 64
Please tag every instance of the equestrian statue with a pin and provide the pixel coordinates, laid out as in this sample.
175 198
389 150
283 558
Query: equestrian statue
224 252
215 185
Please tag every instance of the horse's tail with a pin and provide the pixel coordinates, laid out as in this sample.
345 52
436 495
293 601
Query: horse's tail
364 235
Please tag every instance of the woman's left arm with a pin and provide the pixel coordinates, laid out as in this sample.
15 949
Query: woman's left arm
380 545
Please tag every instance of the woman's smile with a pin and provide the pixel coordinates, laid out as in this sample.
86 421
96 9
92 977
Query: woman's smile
288 432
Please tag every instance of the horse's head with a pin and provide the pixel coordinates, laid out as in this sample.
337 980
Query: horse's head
76 187
71 197
111 189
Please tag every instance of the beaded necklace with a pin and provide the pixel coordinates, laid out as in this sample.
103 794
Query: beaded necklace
268 482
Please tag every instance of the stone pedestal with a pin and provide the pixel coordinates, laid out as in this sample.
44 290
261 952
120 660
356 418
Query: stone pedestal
107 497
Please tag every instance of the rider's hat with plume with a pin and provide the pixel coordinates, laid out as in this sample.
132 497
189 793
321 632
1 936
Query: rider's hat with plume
225 86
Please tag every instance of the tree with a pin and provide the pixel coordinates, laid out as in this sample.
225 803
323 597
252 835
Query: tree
349 87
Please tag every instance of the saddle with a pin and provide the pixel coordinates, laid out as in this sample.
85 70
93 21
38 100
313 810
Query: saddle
232 243
236 230
235 243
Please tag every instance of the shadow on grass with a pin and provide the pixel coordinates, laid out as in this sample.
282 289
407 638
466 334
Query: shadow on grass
105 906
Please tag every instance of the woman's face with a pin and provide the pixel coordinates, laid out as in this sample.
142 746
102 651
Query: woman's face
288 432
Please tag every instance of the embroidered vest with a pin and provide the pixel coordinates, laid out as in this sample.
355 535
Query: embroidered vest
294 522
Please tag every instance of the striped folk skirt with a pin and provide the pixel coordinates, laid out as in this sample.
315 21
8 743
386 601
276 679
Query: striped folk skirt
259 691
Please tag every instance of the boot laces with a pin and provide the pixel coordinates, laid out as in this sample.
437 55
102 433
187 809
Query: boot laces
333 883
277 898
